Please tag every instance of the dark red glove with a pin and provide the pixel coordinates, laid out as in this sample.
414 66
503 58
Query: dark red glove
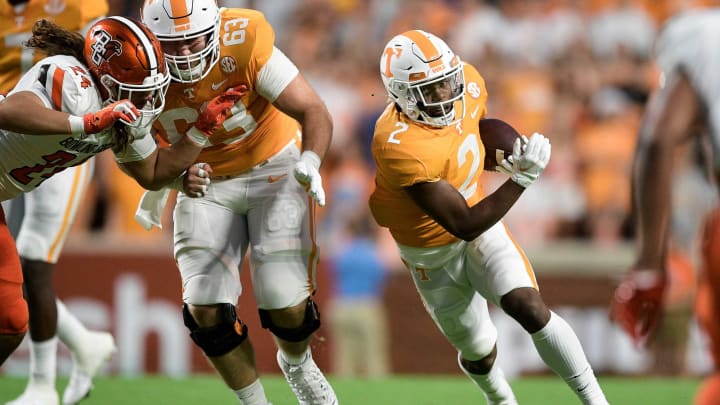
215 113
105 118
637 305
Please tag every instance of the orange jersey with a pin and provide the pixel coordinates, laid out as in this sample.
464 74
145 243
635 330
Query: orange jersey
16 28
246 44
407 153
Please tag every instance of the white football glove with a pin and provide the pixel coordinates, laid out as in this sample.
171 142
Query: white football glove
307 173
529 159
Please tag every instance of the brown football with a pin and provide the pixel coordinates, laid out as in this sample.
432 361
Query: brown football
498 137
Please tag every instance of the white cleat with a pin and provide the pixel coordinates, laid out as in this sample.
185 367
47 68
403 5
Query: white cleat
307 382
86 363
37 394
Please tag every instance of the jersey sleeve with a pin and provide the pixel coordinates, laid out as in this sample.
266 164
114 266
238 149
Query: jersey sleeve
688 43
66 88
275 75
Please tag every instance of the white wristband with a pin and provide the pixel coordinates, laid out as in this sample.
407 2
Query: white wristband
77 125
197 137
311 158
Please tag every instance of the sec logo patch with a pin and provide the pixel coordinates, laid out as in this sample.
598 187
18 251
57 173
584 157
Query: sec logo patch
228 64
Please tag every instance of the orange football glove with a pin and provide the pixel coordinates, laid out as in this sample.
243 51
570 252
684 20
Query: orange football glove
215 113
123 110
637 305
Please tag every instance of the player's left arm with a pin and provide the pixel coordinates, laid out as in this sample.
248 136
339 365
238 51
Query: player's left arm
280 82
300 101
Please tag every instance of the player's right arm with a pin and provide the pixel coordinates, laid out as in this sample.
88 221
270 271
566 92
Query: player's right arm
444 203
24 112
669 121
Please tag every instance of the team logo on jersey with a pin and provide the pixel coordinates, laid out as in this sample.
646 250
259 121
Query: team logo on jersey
474 89
104 47
228 64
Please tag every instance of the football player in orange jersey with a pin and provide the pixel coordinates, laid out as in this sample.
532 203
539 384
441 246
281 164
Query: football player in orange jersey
685 107
40 220
429 158
118 59
265 161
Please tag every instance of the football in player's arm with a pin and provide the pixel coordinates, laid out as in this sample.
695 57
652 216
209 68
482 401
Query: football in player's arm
429 157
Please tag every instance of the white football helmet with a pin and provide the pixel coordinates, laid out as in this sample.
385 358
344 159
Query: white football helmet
424 78
182 20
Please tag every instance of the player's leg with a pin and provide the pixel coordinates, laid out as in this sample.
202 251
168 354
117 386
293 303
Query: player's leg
48 215
508 281
281 223
210 242
14 315
461 314
706 305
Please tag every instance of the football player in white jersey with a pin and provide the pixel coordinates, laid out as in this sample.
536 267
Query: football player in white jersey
686 105
429 158
119 60
267 158
41 219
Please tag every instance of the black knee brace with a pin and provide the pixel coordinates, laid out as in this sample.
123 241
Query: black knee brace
310 324
218 339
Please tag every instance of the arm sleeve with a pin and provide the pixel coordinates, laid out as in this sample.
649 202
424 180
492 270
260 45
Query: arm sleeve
275 75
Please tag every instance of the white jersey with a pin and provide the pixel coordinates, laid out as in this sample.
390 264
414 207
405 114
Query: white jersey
64 84
690 42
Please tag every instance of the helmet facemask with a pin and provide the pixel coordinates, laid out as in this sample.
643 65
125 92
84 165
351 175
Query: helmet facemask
436 98
424 78
148 97
195 66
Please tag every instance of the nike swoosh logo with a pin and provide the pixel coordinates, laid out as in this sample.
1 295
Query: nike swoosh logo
474 113
273 179
215 86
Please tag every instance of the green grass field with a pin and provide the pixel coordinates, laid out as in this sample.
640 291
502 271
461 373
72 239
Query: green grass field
398 390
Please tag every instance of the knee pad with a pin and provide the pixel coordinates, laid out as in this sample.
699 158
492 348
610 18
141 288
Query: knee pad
311 323
14 316
219 339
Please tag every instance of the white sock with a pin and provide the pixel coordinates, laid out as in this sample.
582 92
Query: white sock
253 394
561 350
296 359
493 384
69 329
43 360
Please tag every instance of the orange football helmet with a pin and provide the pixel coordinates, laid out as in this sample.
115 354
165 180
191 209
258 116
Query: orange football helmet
126 59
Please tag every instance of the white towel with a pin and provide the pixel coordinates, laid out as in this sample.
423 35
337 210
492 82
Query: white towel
150 208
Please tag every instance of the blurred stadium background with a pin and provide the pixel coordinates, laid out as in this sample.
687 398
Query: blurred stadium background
578 71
